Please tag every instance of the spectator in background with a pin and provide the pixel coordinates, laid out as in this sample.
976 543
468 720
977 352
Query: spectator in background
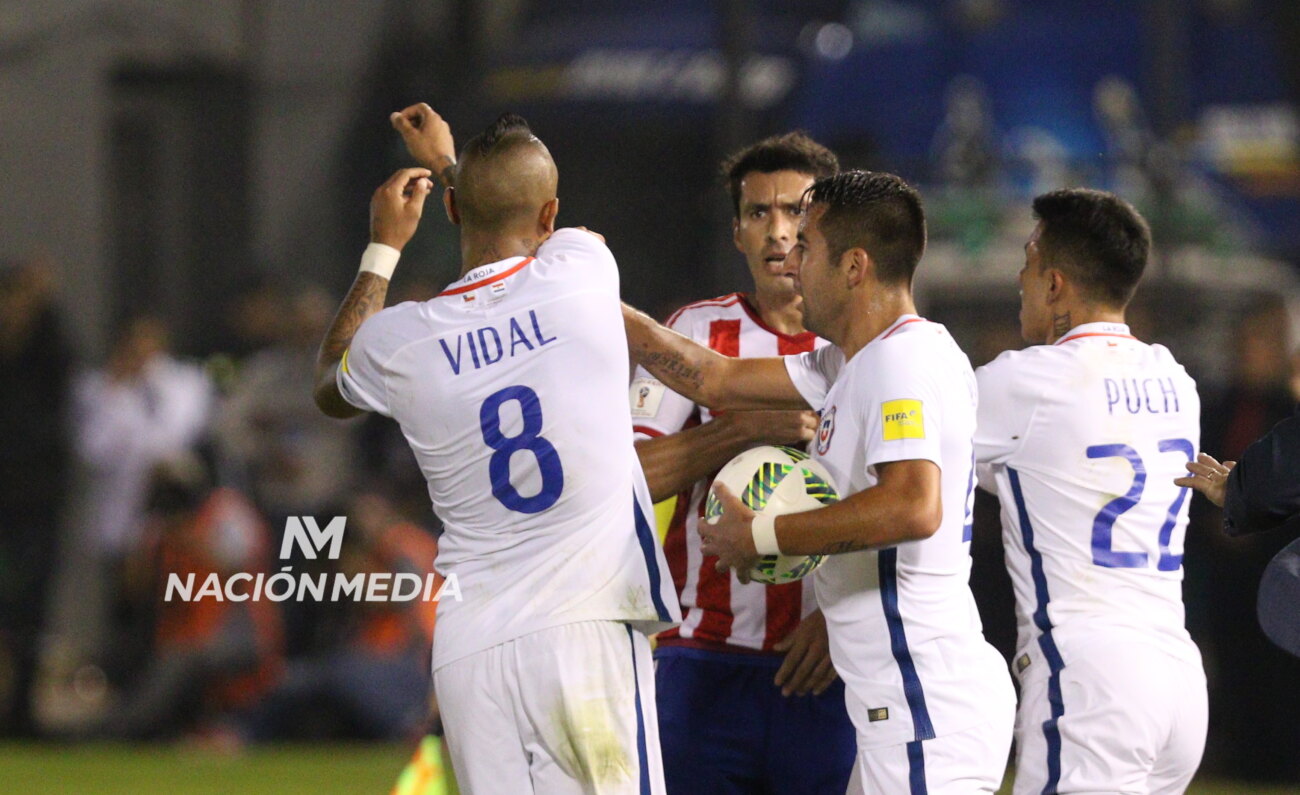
1253 703
373 681
297 461
143 407
35 365
210 656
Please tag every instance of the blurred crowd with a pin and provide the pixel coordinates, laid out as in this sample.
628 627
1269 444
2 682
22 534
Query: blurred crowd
116 474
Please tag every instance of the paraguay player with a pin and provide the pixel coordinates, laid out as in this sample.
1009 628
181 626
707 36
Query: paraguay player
931 701
1082 436
542 668
748 697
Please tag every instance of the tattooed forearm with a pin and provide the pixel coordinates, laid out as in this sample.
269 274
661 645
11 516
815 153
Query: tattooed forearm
673 369
1061 324
364 299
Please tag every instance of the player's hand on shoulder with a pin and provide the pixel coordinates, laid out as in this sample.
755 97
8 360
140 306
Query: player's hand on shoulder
427 137
396 207
596 235
807 666
795 428
1208 476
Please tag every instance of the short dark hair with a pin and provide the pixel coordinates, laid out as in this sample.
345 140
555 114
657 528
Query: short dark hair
507 126
877 212
1097 238
793 151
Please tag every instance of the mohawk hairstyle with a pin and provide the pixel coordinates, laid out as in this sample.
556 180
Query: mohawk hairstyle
1096 237
508 125
877 212
793 151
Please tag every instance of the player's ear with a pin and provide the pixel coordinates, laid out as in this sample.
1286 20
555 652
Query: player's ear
1055 285
735 234
449 204
856 265
546 218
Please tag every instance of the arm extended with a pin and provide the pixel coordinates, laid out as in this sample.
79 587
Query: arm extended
705 376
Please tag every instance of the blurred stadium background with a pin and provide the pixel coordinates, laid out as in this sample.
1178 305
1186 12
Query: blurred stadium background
184 187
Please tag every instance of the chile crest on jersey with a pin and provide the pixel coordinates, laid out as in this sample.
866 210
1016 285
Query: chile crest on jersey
825 430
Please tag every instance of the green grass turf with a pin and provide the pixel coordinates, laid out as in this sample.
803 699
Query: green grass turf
135 769
273 770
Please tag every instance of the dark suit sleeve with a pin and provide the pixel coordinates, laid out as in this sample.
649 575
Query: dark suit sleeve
1263 490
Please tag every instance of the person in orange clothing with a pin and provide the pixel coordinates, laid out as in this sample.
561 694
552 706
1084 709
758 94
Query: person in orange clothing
211 656
373 682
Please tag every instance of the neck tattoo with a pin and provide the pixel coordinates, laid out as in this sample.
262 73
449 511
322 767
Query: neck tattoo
1061 324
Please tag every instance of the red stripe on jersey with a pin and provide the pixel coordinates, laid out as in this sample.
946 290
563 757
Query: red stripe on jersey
890 333
803 341
1094 334
465 288
787 345
722 300
724 337
675 544
713 594
784 604
651 432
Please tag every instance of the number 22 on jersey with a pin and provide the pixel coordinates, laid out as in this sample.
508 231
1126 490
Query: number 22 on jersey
1103 526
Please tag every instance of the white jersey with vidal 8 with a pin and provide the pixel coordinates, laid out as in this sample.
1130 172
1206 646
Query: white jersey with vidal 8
904 630
718 611
511 388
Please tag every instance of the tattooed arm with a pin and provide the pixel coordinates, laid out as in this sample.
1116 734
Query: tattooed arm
705 376
904 505
394 216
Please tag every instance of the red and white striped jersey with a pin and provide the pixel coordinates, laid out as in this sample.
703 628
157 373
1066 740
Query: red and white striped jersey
718 611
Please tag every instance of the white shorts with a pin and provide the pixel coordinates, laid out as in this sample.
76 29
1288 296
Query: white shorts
1130 718
955 764
570 709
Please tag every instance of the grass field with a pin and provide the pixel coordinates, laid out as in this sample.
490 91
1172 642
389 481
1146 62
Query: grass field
279 770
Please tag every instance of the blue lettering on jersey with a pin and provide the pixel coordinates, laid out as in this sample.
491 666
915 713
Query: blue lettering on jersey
517 337
1150 395
485 345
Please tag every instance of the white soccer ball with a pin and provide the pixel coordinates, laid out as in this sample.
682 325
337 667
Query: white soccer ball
774 481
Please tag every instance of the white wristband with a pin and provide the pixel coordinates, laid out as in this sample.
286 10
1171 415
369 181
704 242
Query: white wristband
380 260
763 529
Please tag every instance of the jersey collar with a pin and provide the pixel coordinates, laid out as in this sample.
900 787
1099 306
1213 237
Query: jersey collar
486 274
897 325
1096 330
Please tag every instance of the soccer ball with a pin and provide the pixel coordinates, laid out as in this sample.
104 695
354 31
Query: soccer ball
774 481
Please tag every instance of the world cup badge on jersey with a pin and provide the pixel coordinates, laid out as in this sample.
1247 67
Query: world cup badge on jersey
825 431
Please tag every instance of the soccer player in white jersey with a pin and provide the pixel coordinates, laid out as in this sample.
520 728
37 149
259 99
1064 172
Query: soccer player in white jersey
931 701
1081 435
748 697
511 388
